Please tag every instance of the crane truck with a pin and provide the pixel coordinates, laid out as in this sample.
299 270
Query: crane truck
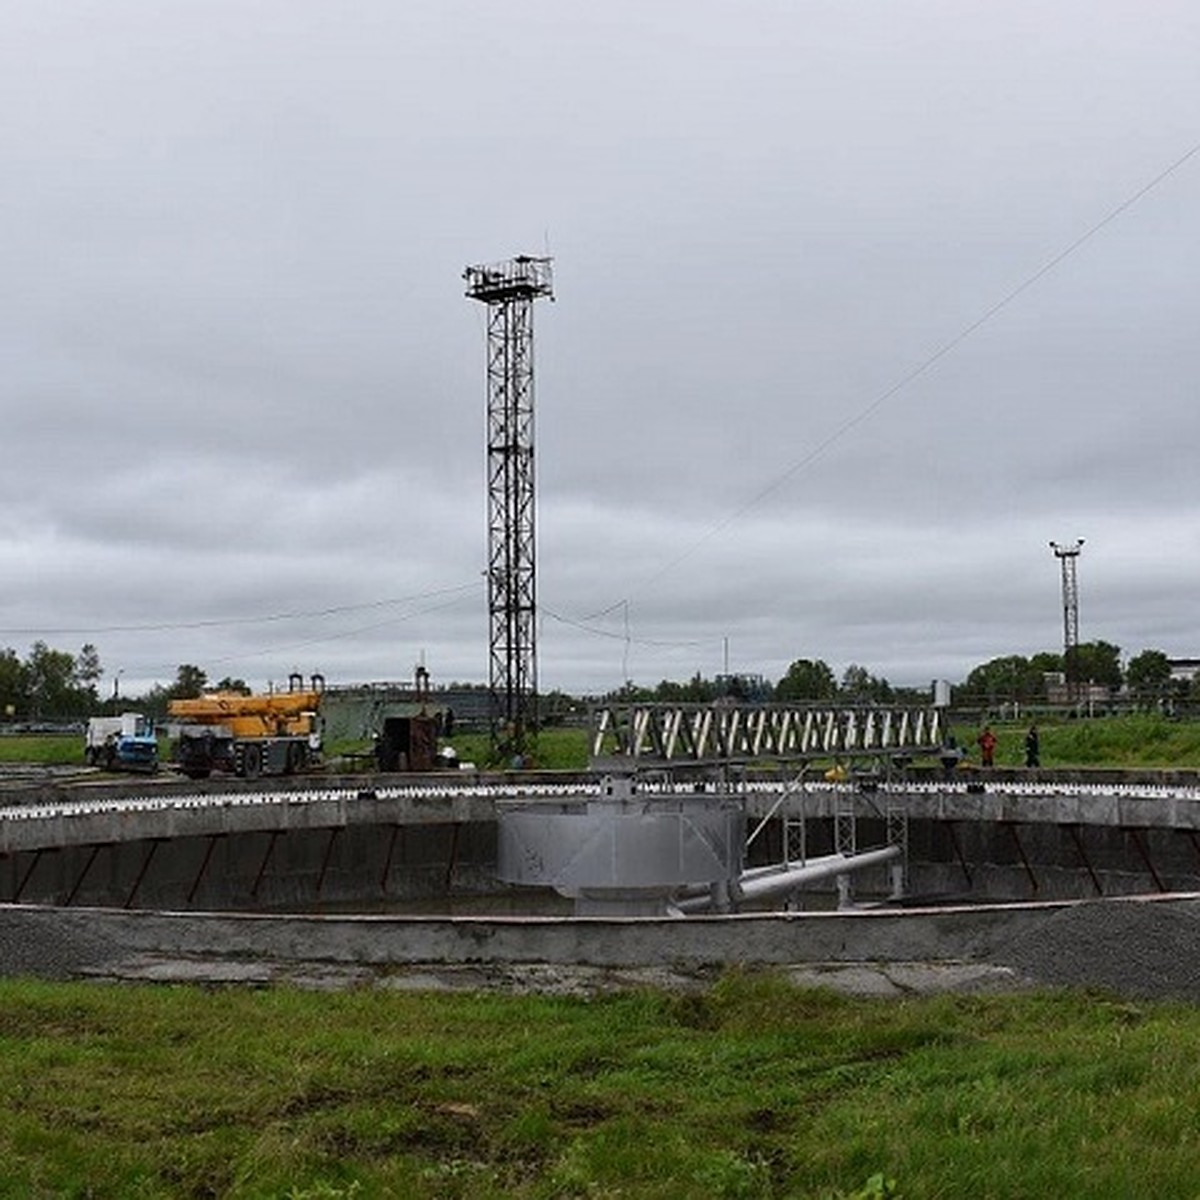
272 733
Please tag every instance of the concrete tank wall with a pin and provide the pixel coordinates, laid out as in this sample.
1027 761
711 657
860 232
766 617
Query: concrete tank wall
385 859
262 870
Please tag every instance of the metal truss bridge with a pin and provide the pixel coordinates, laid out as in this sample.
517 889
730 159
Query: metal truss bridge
714 733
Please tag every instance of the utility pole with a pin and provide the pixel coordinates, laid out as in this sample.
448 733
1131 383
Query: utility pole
1067 557
509 290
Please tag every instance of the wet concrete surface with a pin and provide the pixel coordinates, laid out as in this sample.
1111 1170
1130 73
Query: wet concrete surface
880 980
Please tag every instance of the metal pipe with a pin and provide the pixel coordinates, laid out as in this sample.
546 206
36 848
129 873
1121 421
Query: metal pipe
689 890
760 885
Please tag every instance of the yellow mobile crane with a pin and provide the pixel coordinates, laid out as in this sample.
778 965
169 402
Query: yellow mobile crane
273 733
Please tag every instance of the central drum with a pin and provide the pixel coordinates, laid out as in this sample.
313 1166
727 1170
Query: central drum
621 853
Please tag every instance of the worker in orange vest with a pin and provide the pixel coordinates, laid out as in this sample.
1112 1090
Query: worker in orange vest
987 746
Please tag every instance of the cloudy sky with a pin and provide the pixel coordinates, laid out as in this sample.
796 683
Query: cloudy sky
859 305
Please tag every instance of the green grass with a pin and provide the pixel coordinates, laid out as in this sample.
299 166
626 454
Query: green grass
1145 741
554 749
750 1089
1142 741
42 749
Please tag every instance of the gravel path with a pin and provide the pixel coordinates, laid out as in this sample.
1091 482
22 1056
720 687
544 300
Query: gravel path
1139 949
50 945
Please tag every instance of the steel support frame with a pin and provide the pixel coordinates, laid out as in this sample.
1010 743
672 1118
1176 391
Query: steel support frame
213 839
795 833
397 832
1011 826
325 861
1136 836
845 841
511 572
723 732
1070 602
37 858
896 825
1068 556
452 858
87 866
274 836
952 829
509 290
147 859
1074 832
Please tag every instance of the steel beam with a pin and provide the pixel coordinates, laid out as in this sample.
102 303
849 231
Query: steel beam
262 870
208 852
1011 826
1144 853
1073 832
147 859
87 866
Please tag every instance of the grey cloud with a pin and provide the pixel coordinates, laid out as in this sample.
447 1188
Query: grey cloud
240 378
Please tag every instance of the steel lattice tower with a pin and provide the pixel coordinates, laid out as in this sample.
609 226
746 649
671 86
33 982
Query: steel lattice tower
1068 556
509 290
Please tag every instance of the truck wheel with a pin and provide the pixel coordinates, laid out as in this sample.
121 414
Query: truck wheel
252 762
89 756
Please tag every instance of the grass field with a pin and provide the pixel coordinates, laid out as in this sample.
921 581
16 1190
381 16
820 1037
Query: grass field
1148 741
1127 741
751 1089
48 750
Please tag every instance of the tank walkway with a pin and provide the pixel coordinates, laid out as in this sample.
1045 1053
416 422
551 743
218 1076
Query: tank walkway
120 812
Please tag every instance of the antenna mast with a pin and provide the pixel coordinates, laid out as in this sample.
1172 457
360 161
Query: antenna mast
1068 556
509 290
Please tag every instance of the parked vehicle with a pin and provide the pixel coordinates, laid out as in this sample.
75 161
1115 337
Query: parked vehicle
124 743
273 733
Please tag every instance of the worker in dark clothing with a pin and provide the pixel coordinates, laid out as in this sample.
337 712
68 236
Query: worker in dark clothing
1033 752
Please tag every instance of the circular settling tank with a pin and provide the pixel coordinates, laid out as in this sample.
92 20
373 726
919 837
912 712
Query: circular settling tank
618 854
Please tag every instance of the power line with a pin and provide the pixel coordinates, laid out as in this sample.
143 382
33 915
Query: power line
230 622
334 637
916 372
624 637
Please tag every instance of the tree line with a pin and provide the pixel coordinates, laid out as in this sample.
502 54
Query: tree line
805 680
1013 678
1145 680
54 685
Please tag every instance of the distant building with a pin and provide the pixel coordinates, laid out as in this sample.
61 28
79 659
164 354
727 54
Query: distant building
1055 683
1057 691
359 712
1184 670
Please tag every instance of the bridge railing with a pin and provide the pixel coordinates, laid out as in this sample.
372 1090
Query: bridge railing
725 732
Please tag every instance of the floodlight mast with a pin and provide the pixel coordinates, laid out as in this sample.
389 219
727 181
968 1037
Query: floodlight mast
1068 556
509 290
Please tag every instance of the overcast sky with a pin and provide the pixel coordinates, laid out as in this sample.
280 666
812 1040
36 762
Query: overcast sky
803 392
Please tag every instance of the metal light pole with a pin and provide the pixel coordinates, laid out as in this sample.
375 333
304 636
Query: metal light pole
1067 557
509 290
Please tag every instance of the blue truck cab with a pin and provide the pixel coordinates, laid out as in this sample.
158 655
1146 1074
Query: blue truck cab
124 743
